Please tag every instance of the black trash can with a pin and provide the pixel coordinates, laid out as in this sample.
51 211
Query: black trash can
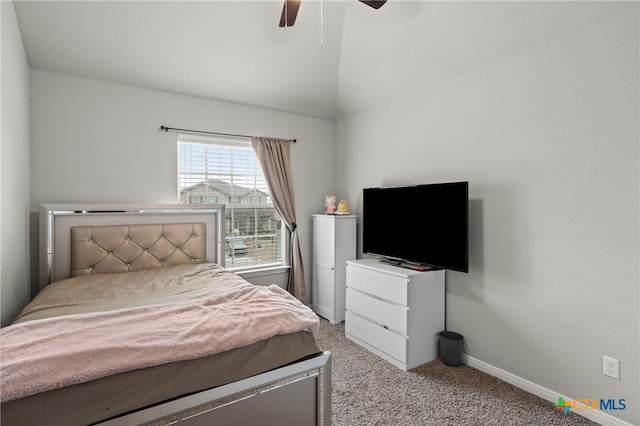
451 348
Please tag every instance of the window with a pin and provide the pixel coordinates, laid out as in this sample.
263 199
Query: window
225 171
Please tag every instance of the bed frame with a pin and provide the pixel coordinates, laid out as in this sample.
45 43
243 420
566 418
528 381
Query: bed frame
296 394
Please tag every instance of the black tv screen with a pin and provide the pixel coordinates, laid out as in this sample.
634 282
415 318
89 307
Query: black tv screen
420 224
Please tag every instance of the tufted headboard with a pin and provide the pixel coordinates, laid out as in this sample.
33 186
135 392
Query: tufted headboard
126 248
97 238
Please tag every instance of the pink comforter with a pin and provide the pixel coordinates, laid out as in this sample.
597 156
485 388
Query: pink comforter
40 355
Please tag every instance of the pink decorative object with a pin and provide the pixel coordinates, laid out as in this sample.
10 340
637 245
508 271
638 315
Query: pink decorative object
330 204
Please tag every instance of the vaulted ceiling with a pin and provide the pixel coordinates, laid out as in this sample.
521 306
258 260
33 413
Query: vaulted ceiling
339 58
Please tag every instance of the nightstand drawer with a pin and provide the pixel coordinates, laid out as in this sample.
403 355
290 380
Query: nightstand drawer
385 286
382 339
391 315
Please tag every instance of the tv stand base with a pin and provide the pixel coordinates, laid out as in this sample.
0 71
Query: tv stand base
408 265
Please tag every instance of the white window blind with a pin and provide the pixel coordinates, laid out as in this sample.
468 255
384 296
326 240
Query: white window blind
225 171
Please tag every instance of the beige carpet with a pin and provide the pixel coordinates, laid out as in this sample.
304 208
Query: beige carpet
369 391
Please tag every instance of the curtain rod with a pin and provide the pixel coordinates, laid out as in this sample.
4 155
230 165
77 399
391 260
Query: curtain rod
169 129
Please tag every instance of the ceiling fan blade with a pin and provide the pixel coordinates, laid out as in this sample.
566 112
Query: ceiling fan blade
289 13
373 3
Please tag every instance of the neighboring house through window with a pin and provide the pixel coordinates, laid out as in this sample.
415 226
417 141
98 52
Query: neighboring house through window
225 171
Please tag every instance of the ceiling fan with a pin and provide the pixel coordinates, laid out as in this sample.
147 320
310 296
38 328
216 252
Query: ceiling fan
290 10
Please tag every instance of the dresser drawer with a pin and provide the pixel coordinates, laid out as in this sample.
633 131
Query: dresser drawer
385 286
380 338
388 314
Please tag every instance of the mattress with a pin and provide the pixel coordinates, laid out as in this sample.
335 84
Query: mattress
114 395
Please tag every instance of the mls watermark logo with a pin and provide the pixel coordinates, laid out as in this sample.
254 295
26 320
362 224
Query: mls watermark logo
582 404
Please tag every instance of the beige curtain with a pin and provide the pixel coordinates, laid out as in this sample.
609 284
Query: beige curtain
274 158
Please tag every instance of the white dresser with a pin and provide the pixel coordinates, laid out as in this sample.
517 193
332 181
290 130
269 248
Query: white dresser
334 242
395 312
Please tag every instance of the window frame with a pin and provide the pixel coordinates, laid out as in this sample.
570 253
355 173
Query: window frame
231 209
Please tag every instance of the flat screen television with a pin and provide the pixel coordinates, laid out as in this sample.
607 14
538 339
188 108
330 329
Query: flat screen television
425 225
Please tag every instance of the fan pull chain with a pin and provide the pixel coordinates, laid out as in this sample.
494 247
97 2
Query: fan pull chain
321 22
286 15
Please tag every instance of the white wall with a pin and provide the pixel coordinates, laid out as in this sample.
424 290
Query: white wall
15 169
94 141
548 138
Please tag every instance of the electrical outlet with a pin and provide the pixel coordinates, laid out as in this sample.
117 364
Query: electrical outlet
611 367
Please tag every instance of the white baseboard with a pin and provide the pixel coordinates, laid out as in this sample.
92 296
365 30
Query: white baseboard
544 393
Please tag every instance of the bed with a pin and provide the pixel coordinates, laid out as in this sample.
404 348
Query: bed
139 322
